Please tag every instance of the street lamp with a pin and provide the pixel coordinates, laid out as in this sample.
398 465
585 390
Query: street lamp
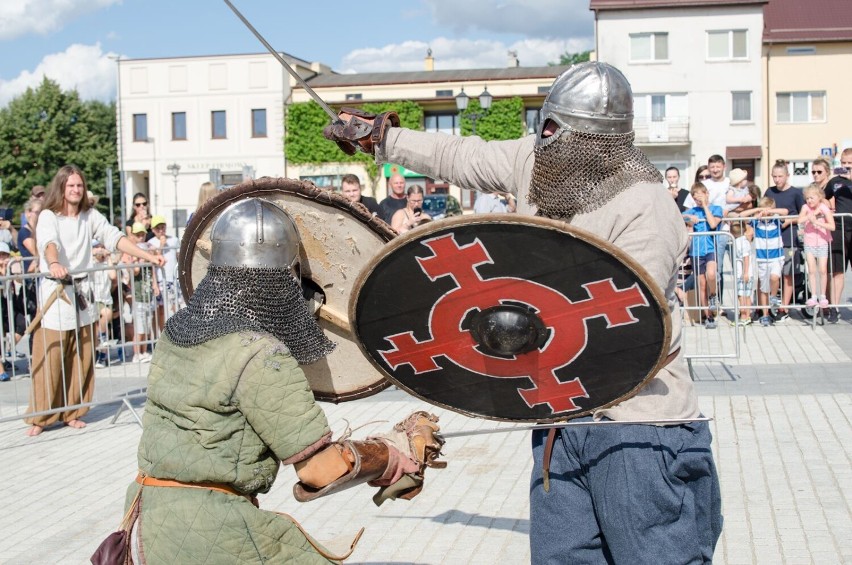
462 100
122 185
152 178
174 169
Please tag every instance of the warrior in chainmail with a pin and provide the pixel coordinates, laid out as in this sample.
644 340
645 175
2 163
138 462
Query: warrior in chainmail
623 494
228 403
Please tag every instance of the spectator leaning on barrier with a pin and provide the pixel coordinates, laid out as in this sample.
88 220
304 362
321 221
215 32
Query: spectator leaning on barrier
62 372
768 252
838 191
145 290
26 235
790 198
167 282
817 223
704 219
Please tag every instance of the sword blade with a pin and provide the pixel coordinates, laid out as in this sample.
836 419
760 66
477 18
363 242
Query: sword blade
666 421
285 64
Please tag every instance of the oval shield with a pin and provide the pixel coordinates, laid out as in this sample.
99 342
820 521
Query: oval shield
511 318
338 238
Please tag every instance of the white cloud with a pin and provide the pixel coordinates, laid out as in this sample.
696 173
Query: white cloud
20 17
458 54
83 67
541 18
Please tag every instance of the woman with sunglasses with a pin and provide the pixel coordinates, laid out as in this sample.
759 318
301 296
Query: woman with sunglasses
140 215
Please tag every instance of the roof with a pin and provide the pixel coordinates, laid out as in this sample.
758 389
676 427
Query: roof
423 77
797 21
643 4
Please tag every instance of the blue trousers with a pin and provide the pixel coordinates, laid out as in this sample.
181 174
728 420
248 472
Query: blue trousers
626 494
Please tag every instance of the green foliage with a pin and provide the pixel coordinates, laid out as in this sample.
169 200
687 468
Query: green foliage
304 143
45 128
504 120
568 58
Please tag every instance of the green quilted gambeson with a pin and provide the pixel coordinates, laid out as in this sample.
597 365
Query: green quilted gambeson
226 411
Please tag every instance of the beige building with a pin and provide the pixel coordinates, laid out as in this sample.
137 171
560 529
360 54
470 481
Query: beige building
807 56
435 91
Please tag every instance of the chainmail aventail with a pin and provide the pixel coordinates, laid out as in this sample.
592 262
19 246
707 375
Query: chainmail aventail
579 172
233 299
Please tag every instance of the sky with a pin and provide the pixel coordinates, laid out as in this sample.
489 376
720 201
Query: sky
75 42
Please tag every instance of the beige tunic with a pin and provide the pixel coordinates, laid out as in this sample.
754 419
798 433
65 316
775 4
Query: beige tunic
641 221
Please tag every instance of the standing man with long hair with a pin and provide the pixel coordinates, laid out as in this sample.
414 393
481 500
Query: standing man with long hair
63 374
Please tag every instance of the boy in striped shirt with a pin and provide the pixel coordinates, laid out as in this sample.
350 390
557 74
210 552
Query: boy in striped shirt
768 252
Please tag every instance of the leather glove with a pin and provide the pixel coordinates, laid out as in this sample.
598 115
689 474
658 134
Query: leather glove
417 441
356 129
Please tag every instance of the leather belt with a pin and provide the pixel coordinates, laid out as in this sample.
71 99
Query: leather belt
551 435
147 481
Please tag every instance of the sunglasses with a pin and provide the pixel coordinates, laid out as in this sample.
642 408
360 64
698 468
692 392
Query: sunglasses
703 177
140 203
817 172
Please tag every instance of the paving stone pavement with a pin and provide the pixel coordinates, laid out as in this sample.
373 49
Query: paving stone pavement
782 436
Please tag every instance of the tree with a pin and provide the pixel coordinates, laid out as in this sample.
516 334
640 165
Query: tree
568 58
45 128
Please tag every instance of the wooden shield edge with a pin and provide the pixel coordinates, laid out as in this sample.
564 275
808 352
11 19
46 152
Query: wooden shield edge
556 225
259 188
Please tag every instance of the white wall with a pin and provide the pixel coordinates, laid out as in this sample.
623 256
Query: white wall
707 84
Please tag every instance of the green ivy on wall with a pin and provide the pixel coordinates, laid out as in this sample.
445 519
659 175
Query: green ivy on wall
504 120
304 143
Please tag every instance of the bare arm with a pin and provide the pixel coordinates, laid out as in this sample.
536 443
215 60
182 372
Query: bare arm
130 248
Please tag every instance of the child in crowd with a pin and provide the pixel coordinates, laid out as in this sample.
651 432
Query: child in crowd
704 219
102 283
144 290
743 235
170 295
738 191
768 252
818 223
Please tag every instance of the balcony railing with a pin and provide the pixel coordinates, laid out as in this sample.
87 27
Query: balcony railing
665 131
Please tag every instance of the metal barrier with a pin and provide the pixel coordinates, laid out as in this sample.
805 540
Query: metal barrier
127 320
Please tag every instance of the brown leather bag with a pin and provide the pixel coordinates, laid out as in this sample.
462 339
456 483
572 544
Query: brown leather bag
115 549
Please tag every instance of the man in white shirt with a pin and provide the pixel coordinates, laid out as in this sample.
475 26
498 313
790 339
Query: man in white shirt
66 227
717 185
168 301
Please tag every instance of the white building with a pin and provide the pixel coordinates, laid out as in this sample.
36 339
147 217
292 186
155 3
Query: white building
220 113
696 72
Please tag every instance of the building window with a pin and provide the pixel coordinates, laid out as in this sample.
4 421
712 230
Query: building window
258 122
741 106
544 89
805 50
218 125
800 107
443 93
727 44
354 96
532 116
649 47
140 127
178 126
444 123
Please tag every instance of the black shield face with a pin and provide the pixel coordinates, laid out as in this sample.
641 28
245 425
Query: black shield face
510 318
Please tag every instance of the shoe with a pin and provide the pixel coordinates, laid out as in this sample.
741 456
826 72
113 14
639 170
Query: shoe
712 304
145 358
832 316
136 359
100 362
4 377
774 305
765 321
745 321
811 302
823 302
782 317
710 324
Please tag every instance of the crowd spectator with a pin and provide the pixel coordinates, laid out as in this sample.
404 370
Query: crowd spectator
38 191
701 174
350 186
139 215
743 265
411 215
26 235
167 282
738 193
817 223
206 191
489 203
145 289
103 282
62 371
396 199
790 198
838 191
673 184
704 218
768 252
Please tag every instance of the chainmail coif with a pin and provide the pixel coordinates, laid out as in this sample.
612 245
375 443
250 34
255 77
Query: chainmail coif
234 299
580 172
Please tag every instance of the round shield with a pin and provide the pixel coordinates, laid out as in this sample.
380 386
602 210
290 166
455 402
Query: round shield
511 318
338 238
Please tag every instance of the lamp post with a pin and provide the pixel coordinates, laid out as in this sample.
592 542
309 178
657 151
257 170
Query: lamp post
152 179
122 186
462 100
174 169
